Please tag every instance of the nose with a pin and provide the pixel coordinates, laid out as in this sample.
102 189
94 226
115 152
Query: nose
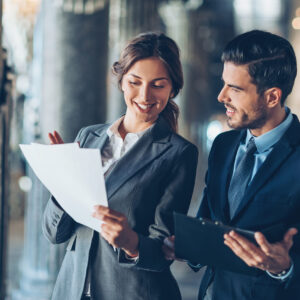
222 97
145 93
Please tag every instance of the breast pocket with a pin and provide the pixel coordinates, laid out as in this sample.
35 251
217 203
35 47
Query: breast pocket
72 243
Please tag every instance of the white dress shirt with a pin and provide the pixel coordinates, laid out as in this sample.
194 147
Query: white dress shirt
116 147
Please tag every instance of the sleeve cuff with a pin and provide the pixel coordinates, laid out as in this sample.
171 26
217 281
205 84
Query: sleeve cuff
197 266
134 259
284 276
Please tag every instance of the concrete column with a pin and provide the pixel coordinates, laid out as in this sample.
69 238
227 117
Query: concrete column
5 119
127 19
201 29
74 69
68 92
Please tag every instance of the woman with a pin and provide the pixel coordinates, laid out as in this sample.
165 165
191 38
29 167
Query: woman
149 171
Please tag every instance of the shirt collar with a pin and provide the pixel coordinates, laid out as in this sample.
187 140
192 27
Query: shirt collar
268 139
113 129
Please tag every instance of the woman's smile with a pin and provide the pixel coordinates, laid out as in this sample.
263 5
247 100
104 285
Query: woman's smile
144 108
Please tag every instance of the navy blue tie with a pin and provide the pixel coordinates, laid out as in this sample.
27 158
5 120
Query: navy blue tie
241 177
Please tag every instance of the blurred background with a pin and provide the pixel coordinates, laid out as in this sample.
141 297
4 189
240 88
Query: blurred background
55 73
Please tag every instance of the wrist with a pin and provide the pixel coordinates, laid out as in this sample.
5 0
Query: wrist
132 248
283 271
283 276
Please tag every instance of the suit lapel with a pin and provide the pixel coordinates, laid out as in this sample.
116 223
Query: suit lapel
279 154
99 139
150 146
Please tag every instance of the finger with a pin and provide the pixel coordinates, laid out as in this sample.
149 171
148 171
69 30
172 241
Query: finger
107 236
246 250
263 243
103 210
51 138
172 238
78 143
169 254
112 225
245 243
58 137
169 242
288 238
106 231
240 252
111 229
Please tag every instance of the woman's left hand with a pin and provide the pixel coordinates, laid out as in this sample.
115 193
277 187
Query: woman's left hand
116 230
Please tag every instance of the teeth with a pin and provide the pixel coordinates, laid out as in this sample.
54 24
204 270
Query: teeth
142 106
230 110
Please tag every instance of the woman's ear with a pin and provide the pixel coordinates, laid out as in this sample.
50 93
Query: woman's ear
171 95
273 96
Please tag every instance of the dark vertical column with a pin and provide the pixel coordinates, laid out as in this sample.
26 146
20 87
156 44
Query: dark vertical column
201 29
74 70
5 120
68 92
127 19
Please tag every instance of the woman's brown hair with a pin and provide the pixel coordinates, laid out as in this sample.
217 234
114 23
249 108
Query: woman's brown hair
153 44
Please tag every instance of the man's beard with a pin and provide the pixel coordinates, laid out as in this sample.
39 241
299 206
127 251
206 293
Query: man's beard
257 122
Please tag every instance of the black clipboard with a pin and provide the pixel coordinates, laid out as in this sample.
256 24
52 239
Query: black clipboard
201 241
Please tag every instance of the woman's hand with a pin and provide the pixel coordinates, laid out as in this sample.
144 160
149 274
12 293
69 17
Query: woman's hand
55 138
169 249
116 230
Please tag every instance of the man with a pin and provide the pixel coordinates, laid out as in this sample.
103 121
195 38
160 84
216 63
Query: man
252 180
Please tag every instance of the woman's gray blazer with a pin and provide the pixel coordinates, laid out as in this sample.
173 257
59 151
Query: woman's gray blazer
152 180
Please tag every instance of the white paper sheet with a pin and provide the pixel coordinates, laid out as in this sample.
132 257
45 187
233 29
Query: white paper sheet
72 175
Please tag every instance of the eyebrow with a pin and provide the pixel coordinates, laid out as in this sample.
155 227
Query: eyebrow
155 79
233 86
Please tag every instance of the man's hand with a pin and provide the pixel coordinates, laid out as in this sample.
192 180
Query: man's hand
273 258
116 230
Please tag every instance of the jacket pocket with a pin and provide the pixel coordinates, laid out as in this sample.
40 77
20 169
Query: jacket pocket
72 243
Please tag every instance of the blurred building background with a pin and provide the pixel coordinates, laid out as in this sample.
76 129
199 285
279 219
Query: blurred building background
55 74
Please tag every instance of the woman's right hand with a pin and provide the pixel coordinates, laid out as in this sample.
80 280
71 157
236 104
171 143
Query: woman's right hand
55 138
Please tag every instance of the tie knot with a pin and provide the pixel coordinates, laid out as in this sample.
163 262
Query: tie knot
251 147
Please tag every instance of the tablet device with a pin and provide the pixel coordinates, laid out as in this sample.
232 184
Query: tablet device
201 241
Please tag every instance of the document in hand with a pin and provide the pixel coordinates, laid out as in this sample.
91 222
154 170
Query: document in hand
72 175
201 241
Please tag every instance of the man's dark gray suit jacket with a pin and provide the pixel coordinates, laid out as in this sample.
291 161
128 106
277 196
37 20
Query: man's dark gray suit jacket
153 179
272 197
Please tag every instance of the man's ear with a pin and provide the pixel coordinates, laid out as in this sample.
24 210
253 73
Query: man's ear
273 96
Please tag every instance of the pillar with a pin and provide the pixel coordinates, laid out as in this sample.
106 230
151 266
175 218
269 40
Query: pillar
68 92
127 19
201 29
5 118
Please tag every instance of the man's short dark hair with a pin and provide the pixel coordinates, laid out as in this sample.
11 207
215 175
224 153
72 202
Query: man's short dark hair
270 58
